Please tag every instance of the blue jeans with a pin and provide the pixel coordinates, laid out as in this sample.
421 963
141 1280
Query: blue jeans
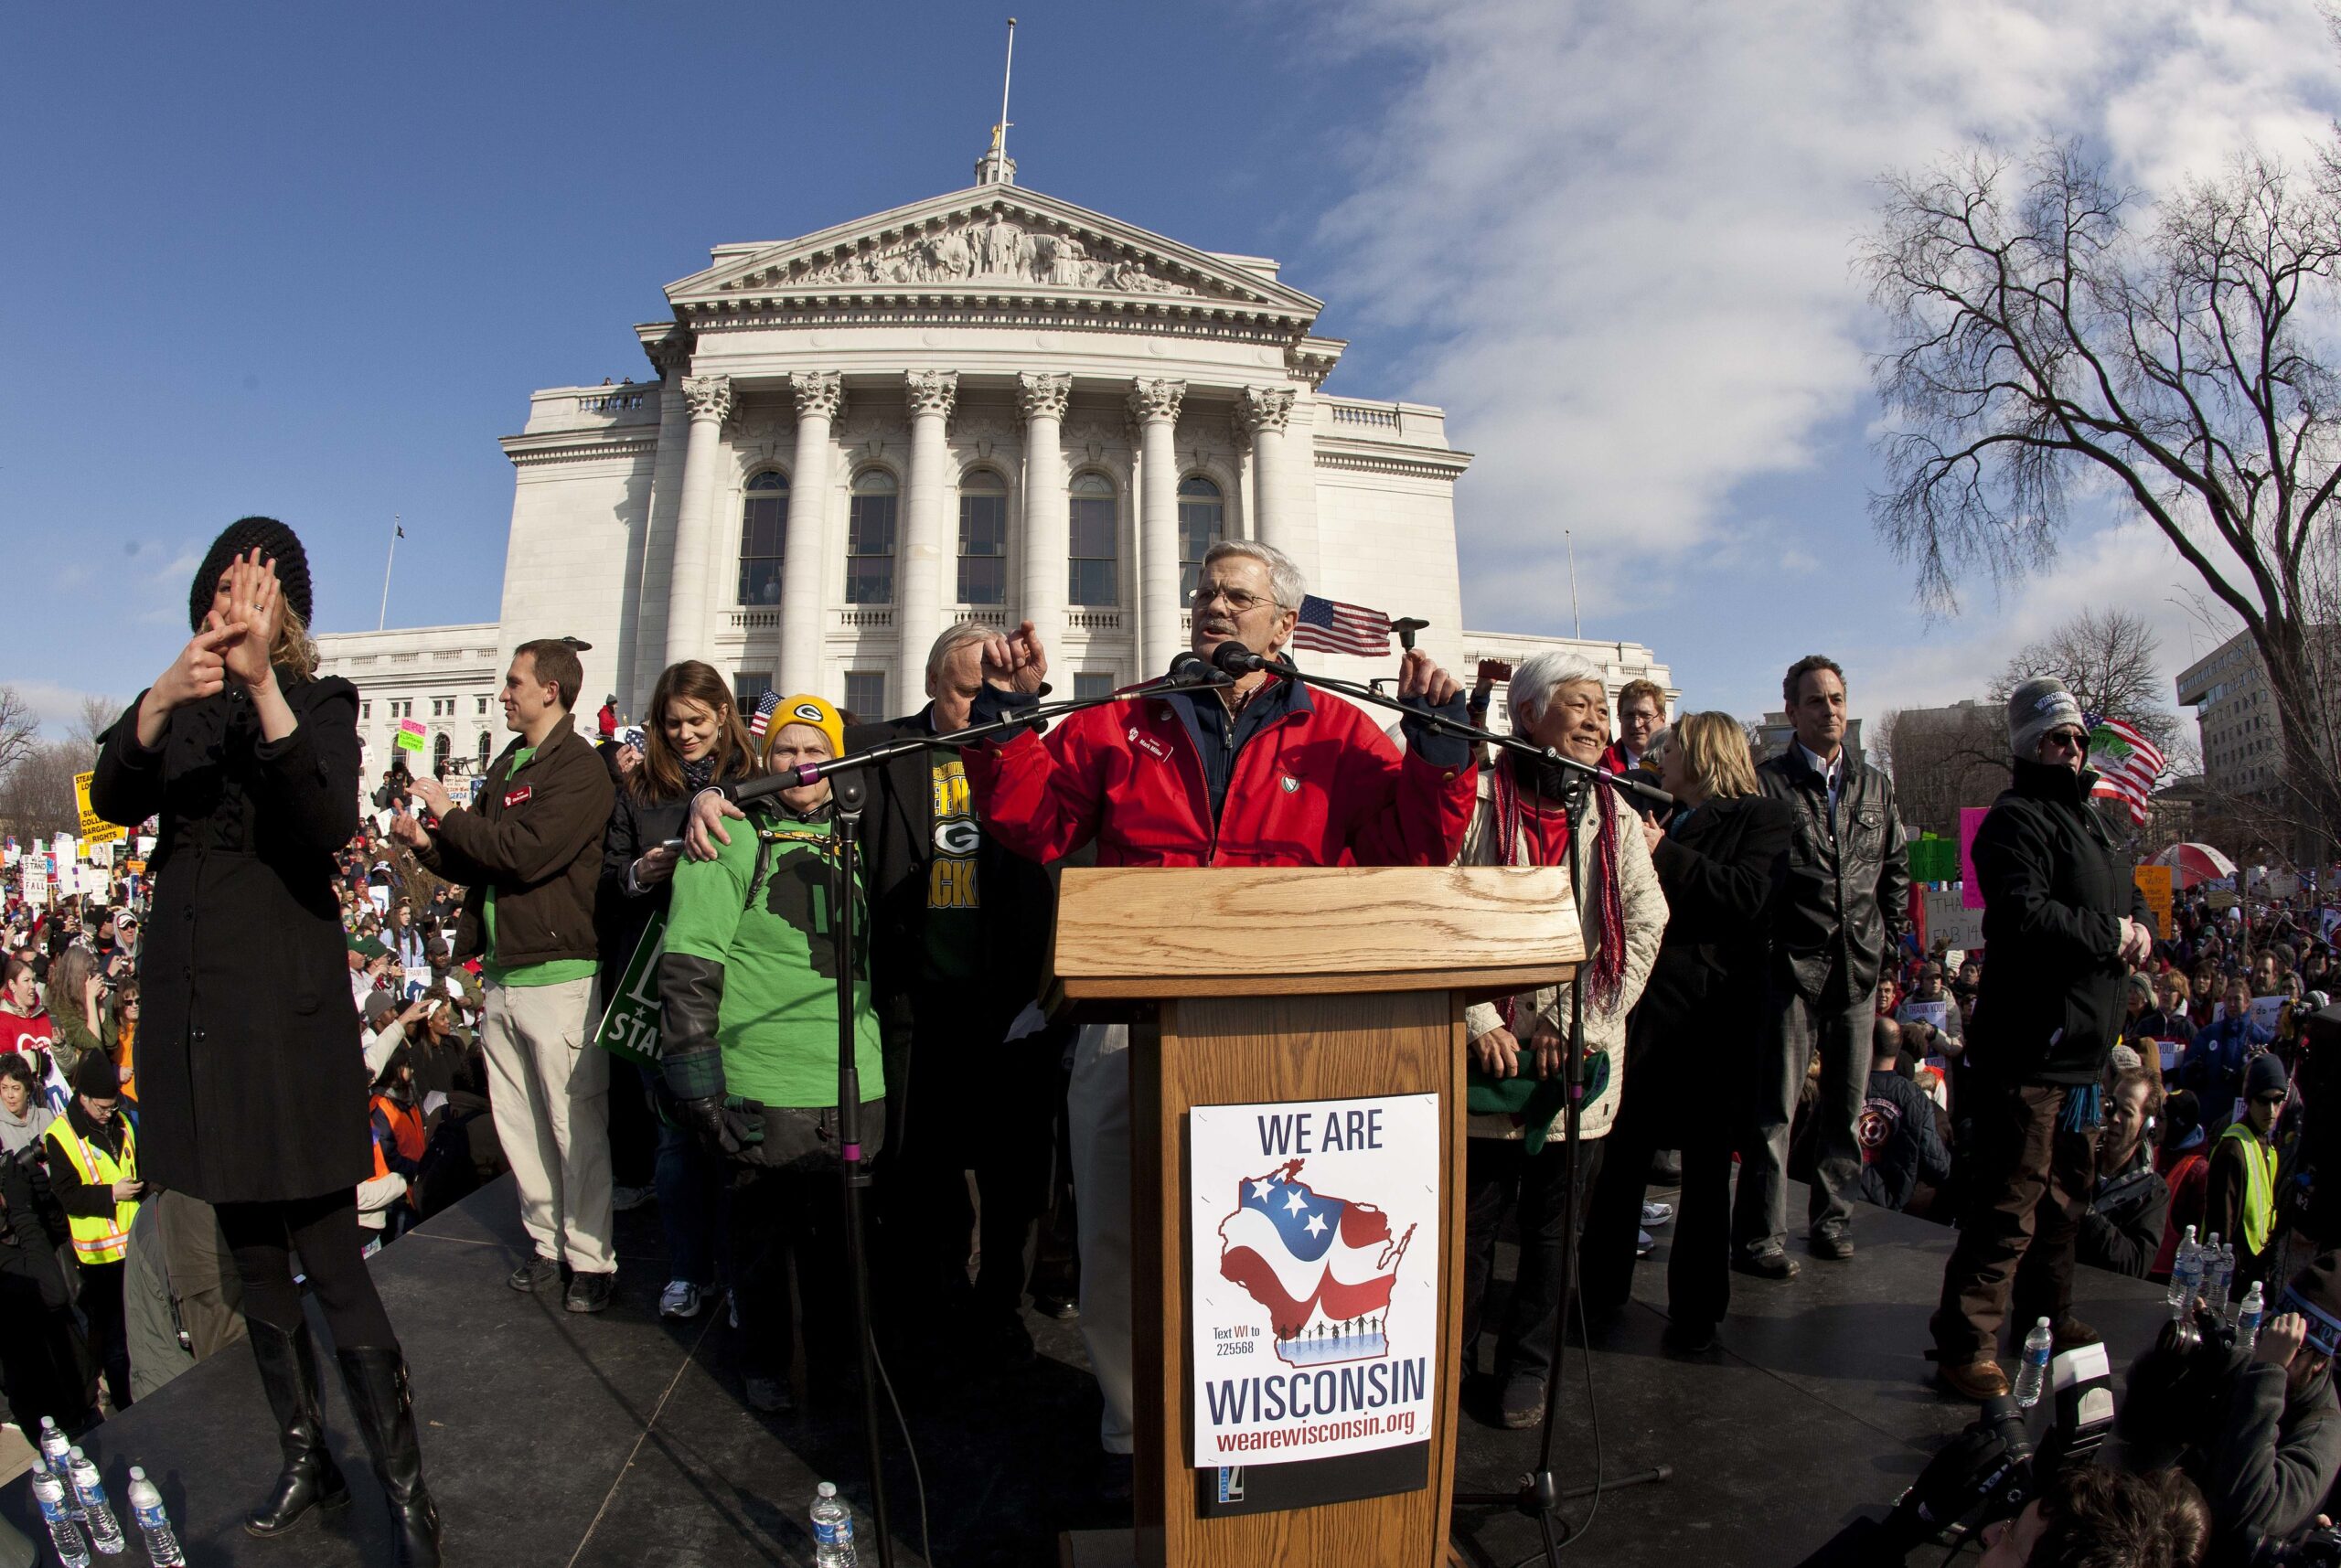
693 1195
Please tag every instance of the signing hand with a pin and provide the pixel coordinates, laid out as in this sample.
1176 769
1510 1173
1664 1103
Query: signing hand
1498 1052
1016 661
407 830
255 609
1418 676
1547 1042
432 795
198 672
2279 1341
705 829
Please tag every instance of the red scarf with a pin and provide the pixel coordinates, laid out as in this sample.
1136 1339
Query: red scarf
1608 904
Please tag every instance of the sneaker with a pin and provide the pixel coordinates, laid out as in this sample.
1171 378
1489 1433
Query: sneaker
537 1272
1524 1401
1978 1380
770 1395
679 1299
591 1292
623 1198
1644 1244
1655 1213
1771 1263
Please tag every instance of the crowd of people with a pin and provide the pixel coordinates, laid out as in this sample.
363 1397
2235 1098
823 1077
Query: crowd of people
1756 1008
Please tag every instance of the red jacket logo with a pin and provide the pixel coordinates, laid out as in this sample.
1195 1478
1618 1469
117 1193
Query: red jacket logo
513 797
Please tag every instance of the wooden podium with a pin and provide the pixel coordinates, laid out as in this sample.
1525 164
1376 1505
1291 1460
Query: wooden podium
1251 985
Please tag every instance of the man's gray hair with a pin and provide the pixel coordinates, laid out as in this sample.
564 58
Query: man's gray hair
957 635
1537 676
1284 577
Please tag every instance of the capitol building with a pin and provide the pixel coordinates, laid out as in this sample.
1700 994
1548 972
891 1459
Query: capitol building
993 406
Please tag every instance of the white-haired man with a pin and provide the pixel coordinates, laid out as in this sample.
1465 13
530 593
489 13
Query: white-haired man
1259 773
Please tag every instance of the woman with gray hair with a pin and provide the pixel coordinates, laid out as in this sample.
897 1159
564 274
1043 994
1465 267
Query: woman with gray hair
1526 814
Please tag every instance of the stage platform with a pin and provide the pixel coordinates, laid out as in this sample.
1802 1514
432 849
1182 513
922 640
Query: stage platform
596 1442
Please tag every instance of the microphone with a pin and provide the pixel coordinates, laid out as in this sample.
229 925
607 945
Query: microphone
1233 658
1193 669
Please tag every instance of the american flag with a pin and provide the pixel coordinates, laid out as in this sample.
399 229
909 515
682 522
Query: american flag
1302 1254
2126 764
1331 627
765 707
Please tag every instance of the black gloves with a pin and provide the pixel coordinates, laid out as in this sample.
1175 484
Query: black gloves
724 1127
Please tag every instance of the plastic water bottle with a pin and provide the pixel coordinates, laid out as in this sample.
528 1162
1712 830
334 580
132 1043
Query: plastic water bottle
154 1523
2185 1273
2246 1321
2032 1375
56 1451
2218 1265
833 1529
105 1530
63 1533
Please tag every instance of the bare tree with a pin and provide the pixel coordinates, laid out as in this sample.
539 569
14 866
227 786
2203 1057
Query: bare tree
2048 333
19 730
97 716
2111 661
36 794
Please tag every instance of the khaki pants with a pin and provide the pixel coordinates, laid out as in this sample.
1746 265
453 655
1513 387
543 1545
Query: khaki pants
549 1089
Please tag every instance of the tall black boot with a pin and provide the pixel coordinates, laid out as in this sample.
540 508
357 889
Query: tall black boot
376 1378
288 1371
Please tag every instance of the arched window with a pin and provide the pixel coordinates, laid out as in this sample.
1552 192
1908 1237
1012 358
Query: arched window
1095 575
1199 515
983 539
443 747
763 530
870 539
484 753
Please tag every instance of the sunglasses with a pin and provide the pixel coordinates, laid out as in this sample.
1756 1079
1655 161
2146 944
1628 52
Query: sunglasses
2065 740
2270 1099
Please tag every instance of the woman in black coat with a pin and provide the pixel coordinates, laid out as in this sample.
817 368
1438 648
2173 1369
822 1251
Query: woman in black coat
1720 860
694 739
251 1084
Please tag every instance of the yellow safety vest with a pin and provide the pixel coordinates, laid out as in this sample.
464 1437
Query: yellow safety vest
96 1238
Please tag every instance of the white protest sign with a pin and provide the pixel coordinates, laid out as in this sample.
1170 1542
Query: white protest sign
1314 1239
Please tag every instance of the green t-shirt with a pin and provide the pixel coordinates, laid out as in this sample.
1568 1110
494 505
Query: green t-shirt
778 1024
552 971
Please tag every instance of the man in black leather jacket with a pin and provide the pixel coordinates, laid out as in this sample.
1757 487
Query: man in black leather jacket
1839 917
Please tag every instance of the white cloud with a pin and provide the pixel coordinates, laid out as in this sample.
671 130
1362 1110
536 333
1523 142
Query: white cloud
56 706
1622 234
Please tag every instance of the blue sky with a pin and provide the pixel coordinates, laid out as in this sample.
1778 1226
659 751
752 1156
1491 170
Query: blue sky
311 260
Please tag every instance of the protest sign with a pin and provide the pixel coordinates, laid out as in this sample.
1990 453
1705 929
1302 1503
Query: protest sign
1971 890
94 829
2154 881
412 735
1950 918
629 1026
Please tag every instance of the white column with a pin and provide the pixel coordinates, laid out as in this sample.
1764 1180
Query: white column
1041 399
924 550
1265 412
1154 404
650 555
689 634
821 398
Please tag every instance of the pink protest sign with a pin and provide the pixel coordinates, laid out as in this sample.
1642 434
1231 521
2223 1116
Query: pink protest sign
1971 818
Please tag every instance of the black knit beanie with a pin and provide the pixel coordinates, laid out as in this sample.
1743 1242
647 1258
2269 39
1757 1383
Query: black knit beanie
96 1076
275 542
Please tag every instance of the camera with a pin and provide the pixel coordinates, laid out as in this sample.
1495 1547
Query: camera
1989 1470
2317 1549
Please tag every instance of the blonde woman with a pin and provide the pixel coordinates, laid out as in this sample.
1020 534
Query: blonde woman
1718 858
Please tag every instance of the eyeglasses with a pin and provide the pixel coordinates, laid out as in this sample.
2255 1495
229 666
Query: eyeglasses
1242 601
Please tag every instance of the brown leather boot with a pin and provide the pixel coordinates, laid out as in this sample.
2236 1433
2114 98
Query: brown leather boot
1978 1380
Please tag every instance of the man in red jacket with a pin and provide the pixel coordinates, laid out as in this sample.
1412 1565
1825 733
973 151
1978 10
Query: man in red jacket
1264 773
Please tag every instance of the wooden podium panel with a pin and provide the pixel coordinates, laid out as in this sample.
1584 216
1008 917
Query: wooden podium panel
1203 1050
1270 985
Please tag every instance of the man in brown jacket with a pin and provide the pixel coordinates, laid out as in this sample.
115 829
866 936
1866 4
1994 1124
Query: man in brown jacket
529 855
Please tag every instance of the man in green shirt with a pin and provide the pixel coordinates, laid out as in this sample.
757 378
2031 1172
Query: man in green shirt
748 984
530 851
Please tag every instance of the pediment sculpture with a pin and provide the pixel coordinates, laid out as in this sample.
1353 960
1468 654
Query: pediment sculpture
988 247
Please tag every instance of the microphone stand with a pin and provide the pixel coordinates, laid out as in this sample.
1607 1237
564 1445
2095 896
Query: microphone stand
1540 1494
850 792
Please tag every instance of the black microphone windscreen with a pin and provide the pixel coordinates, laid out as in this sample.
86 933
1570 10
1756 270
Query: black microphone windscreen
1191 667
1234 658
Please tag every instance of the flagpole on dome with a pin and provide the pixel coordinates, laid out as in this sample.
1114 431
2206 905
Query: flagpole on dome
995 167
398 532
